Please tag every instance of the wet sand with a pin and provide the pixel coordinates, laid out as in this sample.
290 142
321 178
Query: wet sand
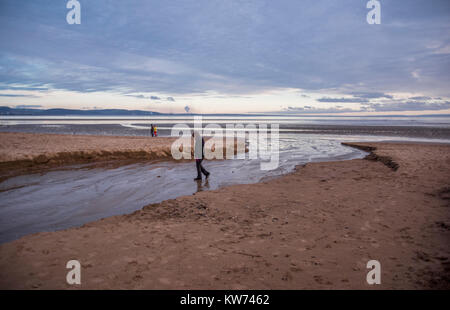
432 131
315 228
68 197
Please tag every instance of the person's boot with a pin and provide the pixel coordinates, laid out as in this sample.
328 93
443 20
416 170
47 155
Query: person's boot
198 179
207 174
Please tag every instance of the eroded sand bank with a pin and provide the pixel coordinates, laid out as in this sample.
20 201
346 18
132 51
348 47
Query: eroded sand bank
315 228
22 153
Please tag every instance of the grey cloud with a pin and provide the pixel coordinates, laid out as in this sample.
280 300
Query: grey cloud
18 95
397 106
23 88
309 109
231 47
151 97
370 95
28 106
408 106
348 100
137 96
420 98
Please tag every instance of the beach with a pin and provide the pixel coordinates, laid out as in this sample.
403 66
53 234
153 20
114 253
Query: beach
314 228
25 153
225 152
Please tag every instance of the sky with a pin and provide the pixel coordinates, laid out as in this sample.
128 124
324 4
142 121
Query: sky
227 56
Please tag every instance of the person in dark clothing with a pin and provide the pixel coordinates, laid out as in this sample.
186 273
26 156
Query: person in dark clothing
199 155
152 129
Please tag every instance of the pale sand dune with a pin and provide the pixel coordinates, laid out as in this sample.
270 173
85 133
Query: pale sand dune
313 229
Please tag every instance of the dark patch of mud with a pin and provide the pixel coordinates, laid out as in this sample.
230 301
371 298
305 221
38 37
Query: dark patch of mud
386 160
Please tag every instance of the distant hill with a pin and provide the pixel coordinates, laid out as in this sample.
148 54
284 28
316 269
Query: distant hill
70 112
123 112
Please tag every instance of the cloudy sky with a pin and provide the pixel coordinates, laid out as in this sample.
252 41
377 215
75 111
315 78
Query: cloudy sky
227 56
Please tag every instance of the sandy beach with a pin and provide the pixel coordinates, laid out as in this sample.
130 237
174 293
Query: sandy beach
24 153
218 152
315 228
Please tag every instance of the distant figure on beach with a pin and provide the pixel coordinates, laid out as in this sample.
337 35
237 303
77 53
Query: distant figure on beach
199 145
152 129
155 131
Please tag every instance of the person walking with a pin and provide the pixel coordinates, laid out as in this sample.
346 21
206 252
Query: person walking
152 129
155 131
199 145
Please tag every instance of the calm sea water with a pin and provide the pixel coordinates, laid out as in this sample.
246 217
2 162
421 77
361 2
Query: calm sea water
435 127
